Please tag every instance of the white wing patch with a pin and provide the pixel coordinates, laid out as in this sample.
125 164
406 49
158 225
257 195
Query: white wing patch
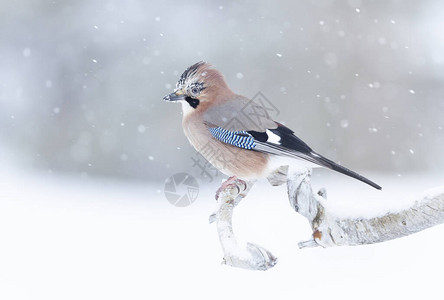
273 138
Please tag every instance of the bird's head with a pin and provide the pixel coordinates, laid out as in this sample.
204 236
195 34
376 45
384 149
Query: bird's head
199 85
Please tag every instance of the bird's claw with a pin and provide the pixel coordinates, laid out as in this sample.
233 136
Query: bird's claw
255 258
230 183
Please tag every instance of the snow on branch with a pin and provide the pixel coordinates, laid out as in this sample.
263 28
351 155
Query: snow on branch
330 230
249 256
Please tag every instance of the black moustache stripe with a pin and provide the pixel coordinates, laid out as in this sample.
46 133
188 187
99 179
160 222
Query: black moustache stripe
192 102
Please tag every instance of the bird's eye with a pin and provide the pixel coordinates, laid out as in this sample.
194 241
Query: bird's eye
195 90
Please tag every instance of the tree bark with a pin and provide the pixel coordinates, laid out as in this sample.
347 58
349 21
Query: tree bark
249 256
330 230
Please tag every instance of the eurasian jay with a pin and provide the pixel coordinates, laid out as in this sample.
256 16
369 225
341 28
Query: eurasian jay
218 124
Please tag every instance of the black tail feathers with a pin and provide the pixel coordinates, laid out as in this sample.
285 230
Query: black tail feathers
325 162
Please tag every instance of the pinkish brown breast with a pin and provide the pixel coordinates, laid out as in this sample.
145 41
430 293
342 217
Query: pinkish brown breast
230 160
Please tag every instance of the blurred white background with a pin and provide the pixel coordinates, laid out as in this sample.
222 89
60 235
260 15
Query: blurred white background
86 143
81 82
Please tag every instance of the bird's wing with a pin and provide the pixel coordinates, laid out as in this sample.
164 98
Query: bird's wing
274 138
278 140
239 114
246 124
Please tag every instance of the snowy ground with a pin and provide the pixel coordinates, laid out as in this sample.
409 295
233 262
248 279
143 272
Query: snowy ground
65 239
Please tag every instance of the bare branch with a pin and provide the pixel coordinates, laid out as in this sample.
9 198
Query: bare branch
330 230
250 256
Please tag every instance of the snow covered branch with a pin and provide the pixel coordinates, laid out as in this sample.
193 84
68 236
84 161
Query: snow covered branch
330 230
249 256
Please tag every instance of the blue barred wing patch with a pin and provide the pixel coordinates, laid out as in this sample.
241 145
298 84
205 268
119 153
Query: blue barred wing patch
240 139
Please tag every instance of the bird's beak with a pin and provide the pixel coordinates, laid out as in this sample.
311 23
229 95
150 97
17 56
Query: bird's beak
173 97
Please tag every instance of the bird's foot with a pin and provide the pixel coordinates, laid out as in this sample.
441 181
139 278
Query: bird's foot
231 182
253 257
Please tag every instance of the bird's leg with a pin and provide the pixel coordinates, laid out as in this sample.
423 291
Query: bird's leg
242 194
224 185
250 257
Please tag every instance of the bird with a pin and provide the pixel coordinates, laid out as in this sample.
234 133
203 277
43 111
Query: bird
220 125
